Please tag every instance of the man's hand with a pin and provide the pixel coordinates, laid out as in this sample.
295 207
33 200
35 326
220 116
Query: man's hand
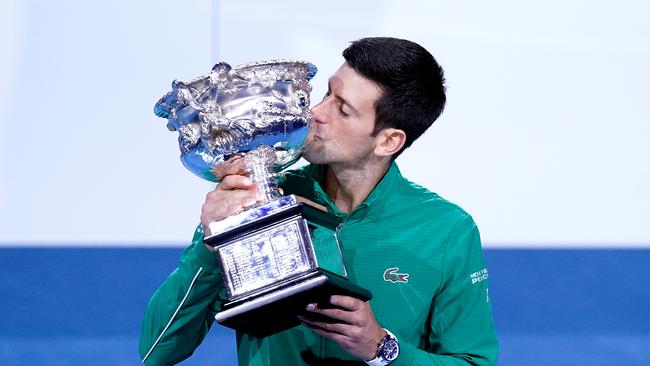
231 195
352 326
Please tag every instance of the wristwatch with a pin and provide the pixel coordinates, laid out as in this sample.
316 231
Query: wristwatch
388 350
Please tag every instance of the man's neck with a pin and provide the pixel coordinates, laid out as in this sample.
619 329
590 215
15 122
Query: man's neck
348 186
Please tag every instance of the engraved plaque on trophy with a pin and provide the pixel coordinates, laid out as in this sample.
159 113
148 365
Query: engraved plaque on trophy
253 119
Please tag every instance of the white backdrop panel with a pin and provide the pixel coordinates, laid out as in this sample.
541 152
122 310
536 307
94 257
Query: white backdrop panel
544 139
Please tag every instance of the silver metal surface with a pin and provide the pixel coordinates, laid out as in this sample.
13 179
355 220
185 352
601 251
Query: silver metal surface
251 118
265 257
252 214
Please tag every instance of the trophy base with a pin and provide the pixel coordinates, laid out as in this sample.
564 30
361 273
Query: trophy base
277 310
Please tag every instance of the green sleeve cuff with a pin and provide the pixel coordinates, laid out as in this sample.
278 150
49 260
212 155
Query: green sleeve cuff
406 354
200 255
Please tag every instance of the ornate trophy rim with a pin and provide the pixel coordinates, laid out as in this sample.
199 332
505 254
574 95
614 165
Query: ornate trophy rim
252 65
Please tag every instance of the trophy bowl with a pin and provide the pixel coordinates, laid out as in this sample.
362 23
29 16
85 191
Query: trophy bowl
235 112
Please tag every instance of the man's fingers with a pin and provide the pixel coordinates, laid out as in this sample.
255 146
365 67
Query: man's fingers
320 331
347 302
235 194
219 205
343 316
227 206
325 327
235 182
244 201
232 194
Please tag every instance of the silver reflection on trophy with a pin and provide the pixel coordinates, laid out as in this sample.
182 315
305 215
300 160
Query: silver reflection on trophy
252 118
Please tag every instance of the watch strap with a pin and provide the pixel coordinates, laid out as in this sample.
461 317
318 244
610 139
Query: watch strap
380 360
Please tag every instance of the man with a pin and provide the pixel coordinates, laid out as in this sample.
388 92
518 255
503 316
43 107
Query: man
418 254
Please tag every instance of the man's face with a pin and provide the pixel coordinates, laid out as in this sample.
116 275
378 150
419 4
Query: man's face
344 120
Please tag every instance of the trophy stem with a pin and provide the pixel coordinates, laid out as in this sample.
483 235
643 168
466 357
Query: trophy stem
259 165
265 182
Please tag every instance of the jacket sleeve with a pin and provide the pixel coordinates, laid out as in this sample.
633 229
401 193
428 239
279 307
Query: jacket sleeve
461 327
181 311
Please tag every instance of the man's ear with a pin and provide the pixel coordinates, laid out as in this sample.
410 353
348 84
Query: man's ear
389 141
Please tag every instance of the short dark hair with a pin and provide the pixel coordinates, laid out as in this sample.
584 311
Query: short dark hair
412 83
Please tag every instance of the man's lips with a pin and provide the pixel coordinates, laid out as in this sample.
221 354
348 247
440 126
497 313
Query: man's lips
312 136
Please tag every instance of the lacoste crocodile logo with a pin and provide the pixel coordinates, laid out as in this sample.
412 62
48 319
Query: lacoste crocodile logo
391 275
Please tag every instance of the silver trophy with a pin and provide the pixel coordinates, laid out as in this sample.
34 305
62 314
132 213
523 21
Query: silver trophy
253 119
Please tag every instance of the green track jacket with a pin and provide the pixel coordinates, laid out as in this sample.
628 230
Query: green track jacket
418 254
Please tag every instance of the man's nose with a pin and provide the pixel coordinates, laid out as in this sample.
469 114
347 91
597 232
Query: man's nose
318 112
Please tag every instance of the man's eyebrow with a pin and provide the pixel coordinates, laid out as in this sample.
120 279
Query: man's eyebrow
329 88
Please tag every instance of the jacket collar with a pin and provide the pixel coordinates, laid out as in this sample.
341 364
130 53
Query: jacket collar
375 199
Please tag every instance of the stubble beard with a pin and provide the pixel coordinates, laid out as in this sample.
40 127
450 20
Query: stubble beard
314 155
334 155
314 150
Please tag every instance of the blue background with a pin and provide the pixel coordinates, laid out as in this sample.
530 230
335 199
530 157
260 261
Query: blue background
81 306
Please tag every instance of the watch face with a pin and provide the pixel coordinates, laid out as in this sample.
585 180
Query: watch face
390 349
